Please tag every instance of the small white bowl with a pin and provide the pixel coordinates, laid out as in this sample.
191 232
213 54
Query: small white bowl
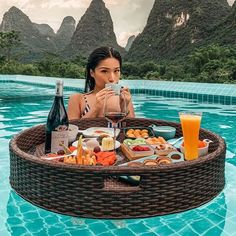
73 131
201 151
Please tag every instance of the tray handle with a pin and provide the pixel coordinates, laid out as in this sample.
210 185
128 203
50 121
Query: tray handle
122 184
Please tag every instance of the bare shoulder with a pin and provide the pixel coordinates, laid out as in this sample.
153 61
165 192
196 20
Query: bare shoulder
76 100
75 104
76 95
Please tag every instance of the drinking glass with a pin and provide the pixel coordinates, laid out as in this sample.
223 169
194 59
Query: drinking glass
190 122
115 110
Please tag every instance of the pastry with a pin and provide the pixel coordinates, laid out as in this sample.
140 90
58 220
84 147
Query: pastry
150 162
134 163
163 160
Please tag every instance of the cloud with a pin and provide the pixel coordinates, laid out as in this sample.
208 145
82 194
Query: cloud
65 4
124 36
129 17
231 2
17 3
113 2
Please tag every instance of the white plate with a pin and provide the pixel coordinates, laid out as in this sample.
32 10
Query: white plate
97 131
84 143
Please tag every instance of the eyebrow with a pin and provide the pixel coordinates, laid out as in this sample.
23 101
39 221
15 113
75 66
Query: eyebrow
103 67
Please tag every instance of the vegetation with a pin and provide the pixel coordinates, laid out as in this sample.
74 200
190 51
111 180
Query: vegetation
51 65
8 41
212 64
176 27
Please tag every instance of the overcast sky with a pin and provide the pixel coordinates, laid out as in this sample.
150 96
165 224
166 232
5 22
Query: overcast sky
129 16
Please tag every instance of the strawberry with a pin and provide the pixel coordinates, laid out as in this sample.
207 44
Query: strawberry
140 148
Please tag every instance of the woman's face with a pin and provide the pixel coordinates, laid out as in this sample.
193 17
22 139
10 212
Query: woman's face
107 71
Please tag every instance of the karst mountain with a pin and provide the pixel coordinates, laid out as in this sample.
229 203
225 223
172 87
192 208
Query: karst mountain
65 32
36 39
173 30
32 41
94 29
174 27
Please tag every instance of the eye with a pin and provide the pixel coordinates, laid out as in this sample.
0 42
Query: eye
117 71
104 71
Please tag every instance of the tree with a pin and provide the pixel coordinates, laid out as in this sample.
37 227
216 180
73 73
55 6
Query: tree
8 41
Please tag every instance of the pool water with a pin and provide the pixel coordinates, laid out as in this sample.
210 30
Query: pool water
22 106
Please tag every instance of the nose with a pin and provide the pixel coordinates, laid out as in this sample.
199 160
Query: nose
112 77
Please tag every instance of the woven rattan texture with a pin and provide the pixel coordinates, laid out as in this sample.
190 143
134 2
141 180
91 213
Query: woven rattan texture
93 191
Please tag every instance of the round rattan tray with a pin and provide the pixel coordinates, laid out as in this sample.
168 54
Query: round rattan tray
94 191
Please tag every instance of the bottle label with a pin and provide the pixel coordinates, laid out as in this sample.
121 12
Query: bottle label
59 138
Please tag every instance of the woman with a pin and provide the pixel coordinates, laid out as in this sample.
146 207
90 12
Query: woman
103 67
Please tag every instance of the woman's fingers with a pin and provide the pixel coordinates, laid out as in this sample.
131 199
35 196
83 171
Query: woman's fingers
106 93
125 91
103 93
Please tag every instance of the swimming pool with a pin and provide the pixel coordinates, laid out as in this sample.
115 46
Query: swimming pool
23 105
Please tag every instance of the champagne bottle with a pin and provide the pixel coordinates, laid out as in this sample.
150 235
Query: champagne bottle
57 123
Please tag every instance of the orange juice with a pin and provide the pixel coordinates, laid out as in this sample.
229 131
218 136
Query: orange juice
190 123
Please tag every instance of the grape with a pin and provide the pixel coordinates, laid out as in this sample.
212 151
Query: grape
60 152
97 149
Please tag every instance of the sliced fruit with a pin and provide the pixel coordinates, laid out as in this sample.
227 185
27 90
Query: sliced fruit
140 148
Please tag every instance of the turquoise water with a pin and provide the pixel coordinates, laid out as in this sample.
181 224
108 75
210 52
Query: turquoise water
22 106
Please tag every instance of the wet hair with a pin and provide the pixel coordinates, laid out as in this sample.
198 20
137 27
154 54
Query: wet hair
94 59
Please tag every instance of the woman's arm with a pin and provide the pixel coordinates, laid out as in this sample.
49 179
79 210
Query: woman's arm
131 113
74 106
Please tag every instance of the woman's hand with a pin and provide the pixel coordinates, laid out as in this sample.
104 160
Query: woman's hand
100 97
125 91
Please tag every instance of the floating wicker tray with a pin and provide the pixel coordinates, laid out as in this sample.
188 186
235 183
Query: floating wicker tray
94 191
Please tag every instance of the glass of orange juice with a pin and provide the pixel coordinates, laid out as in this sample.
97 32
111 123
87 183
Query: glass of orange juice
190 122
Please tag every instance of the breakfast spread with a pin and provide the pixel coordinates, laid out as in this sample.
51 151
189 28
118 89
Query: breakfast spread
139 146
88 155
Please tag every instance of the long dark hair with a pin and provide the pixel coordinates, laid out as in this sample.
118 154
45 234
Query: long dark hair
94 59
